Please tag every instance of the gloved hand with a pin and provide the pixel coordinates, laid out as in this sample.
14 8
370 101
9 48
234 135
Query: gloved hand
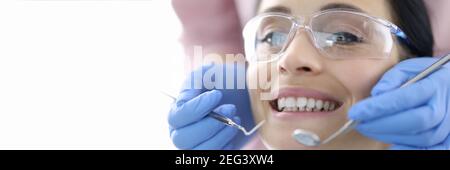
191 128
413 117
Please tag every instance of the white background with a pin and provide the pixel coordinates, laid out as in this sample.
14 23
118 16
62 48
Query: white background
87 74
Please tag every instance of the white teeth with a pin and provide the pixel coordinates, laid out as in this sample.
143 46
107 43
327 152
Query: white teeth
319 104
301 104
291 102
332 105
281 103
311 104
326 105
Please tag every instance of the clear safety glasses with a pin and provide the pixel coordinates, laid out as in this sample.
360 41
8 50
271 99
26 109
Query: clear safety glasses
337 34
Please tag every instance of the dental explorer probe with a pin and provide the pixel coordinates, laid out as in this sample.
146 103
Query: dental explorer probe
227 121
308 138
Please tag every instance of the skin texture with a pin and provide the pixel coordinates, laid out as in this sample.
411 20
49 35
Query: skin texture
348 81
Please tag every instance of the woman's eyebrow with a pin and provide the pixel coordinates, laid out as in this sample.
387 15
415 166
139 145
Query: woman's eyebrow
340 6
280 9
286 10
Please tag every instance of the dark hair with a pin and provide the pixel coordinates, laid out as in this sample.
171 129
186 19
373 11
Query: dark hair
412 17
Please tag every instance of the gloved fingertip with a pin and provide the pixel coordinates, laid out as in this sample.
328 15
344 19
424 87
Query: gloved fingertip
362 111
179 143
212 97
354 114
381 88
237 119
215 93
228 110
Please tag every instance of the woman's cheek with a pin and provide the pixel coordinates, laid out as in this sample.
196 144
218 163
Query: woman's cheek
254 92
362 77
251 77
260 77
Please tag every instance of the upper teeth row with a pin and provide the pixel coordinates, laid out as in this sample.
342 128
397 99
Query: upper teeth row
293 104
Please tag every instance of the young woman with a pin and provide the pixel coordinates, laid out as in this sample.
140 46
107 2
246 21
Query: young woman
321 63
322 57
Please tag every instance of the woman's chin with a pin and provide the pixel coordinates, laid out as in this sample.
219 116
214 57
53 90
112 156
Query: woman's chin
277 138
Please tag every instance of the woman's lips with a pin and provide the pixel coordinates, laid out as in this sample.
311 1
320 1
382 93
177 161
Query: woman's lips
303 102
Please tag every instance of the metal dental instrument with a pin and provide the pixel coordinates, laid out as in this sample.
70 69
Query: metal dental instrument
308 138
227 121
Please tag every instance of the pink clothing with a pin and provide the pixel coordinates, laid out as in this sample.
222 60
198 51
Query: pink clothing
212 24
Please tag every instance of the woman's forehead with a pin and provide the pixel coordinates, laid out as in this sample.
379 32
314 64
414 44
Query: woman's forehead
378 8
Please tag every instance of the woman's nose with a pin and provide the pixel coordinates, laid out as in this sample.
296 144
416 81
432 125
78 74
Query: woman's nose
301 57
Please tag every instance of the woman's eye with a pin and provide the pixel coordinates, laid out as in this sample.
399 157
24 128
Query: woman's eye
344 38
274 39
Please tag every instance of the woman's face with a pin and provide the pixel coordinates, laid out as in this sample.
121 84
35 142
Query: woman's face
303 73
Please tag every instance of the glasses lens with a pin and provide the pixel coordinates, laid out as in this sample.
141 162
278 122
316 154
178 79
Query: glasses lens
350 35
270 36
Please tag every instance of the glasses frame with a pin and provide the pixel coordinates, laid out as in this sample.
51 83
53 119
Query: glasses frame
300 23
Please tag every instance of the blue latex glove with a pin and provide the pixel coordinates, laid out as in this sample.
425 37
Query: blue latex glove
413 117
191 128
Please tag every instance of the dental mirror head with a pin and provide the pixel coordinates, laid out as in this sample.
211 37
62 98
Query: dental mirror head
306 138
310 139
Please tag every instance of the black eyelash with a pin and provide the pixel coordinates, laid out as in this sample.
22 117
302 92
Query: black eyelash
353 40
